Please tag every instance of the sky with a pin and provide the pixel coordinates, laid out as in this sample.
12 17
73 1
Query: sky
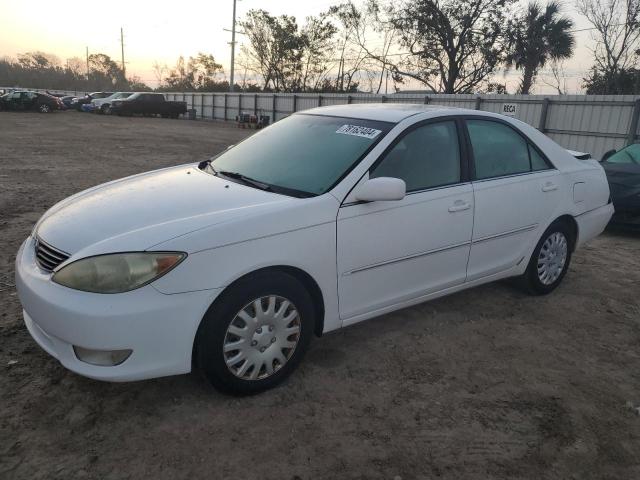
155 33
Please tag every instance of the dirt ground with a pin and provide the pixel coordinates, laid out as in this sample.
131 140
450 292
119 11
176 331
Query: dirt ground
489 383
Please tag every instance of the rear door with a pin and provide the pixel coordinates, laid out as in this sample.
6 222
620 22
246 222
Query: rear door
516 191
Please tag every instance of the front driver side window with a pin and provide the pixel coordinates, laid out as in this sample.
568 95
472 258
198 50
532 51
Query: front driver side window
426 157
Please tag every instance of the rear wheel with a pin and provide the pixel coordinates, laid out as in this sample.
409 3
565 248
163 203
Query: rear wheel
44 108
256 333
550 260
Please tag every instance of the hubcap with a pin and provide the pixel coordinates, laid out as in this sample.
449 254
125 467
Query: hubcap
552 258
262 337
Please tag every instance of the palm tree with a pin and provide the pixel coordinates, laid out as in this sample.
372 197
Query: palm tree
539 35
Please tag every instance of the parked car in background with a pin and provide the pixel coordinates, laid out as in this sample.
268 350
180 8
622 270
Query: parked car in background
67 99
326 218
87 107
25 100
623 172
79 101
147 103
103 105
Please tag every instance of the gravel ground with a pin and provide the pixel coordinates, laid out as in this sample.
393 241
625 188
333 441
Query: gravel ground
487 383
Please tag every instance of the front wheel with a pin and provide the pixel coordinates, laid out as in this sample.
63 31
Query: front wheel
550 260
256 333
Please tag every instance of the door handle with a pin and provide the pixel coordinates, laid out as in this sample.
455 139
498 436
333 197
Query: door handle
459 205
549 187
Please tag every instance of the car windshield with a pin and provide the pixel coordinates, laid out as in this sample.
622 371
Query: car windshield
303 154
629 155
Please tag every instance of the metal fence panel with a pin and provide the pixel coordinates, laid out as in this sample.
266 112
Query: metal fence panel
589 123
594 123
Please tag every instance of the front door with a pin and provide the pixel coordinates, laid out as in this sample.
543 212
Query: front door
396 251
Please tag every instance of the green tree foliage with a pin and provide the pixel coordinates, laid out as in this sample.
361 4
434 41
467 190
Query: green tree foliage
42 70
200 73
623 82
105 73
287 57
537 36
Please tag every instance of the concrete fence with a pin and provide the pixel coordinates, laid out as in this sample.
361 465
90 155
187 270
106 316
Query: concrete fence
588 123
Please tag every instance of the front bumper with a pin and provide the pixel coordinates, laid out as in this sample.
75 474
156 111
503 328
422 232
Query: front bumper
159 328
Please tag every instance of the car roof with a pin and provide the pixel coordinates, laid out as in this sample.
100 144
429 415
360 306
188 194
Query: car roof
386 112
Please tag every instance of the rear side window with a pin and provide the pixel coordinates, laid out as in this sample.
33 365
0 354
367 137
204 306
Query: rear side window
537 161
499 150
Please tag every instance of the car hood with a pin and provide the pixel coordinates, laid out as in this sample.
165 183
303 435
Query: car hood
139 212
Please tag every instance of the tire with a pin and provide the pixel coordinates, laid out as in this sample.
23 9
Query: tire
550 259
106 109
44 108
266 336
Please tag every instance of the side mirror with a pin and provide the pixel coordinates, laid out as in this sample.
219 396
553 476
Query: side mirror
381 189
607 154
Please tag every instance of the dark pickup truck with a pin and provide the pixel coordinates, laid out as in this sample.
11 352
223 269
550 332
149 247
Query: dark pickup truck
148 104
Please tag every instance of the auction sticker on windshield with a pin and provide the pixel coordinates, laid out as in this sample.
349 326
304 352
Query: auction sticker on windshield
358 131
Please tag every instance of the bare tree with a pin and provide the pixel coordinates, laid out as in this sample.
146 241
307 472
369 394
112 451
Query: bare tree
453 45
160 71
557 79
365 39
616 36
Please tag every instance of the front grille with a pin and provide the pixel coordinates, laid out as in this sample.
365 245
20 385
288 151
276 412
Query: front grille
48 257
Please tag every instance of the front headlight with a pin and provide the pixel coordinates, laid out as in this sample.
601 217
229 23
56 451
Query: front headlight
118 272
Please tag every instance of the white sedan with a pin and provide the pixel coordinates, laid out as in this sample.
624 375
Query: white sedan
327 218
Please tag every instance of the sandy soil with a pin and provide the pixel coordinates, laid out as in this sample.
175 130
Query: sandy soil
488 383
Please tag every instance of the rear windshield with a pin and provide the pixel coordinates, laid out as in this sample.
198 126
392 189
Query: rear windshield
304 153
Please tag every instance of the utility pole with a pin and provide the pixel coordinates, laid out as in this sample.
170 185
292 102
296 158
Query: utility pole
124 71
87 63
233 46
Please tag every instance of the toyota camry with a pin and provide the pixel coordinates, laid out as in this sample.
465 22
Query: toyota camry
327 218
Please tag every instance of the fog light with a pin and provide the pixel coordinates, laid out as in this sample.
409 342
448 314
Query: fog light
102 358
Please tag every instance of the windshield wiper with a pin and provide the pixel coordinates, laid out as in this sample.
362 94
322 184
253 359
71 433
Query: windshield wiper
244 179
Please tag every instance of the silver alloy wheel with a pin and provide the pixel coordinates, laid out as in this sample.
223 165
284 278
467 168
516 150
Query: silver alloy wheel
44 108
552 258
262 337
